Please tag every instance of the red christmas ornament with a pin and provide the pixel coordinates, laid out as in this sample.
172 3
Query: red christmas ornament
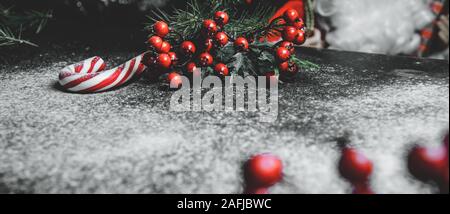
263 171
221 18
291 15
290 34
188 48
427 164
241 43
161 29
164 61
155 42
175 80
221 69
221 39
289 46
283 54
206 59
354 166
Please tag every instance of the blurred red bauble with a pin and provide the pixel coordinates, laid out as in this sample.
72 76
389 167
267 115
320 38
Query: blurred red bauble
354 166
263 171
427 164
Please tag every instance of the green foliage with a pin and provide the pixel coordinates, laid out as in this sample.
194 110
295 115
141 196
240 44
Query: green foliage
13 24
251 22
243 20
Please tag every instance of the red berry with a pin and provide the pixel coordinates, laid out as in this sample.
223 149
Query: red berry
427 164
291 15
175 80
300 39
173 57
209 26
164 48
206 59
299 24
263 171
354 166
155 42
164 61
188 48
208 45
283 54
289 46
221 69
221 39
161 29
241 43
221 18
290 33
288 69
192 69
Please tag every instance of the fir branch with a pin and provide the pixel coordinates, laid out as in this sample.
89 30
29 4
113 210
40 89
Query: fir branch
8 38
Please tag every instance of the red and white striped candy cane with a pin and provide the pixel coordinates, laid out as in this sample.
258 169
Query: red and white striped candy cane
89 76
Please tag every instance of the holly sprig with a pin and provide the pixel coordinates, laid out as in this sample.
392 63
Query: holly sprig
200 22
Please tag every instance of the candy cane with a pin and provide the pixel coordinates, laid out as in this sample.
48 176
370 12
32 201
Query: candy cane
89 76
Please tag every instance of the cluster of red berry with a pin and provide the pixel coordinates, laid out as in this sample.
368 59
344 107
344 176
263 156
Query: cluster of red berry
293 34
162 59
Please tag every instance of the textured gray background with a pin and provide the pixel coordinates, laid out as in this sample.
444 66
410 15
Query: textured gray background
126 141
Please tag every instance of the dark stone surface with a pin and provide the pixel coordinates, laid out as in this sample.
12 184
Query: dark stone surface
127 141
